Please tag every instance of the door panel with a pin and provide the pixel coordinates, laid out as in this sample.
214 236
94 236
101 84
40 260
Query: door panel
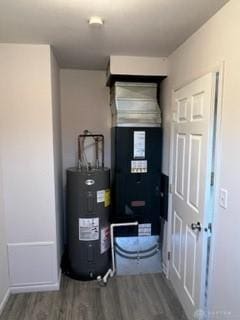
192 159
190 263
182 110
194 171
177 244
197 106
180 165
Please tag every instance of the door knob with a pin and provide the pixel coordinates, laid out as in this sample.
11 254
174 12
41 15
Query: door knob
196 226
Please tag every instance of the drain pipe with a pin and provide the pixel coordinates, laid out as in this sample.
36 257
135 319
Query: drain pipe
111 272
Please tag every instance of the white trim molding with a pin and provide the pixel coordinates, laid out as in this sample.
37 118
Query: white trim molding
33 265
37 288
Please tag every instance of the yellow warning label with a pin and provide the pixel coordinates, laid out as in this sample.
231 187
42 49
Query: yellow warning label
107 198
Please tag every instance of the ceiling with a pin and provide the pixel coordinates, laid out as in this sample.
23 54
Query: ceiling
132 27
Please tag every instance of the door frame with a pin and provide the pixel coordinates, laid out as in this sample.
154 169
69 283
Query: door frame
219 68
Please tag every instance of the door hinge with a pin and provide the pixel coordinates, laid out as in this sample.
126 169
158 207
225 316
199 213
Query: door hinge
208 228
170 188
212 178
169 255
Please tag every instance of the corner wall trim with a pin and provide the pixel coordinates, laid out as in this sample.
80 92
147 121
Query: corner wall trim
4 301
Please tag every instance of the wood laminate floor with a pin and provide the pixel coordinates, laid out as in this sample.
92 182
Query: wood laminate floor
141 297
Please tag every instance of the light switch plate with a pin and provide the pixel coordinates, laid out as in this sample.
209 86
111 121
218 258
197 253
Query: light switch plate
223 198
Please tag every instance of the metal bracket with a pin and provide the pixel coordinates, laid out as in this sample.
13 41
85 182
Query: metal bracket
169 255
212 178
208 228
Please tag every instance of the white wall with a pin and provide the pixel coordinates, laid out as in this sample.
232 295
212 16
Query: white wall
150 66
26 129
57 149
4 281
85 105
216 41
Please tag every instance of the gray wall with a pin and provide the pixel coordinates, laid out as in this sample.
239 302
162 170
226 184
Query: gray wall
217 41
27 157
4 281
57 152
84 105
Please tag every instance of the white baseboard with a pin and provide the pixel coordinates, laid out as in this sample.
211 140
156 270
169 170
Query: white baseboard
4 301
37 288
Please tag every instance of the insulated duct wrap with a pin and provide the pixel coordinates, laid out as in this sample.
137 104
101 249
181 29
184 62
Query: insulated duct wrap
135 104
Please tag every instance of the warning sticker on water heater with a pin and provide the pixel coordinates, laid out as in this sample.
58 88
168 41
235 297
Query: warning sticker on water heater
105 239
107 198
100 196
88 229
104 196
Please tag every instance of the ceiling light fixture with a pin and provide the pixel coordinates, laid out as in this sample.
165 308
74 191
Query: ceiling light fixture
95 21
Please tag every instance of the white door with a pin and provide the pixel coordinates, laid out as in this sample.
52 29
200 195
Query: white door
191 207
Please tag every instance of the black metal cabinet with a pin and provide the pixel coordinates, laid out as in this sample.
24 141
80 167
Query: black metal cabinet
136 196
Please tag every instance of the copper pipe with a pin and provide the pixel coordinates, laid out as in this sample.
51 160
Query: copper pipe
97 138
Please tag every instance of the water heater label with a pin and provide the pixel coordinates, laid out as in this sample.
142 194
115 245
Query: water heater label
105 239
100 196
139 144
107 198
88 229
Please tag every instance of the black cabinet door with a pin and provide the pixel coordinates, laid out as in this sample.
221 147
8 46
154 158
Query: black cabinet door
136 196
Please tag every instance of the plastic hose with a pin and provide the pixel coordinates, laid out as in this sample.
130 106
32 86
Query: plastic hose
155 246
136 257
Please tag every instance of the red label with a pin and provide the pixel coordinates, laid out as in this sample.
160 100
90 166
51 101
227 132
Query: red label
138 203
